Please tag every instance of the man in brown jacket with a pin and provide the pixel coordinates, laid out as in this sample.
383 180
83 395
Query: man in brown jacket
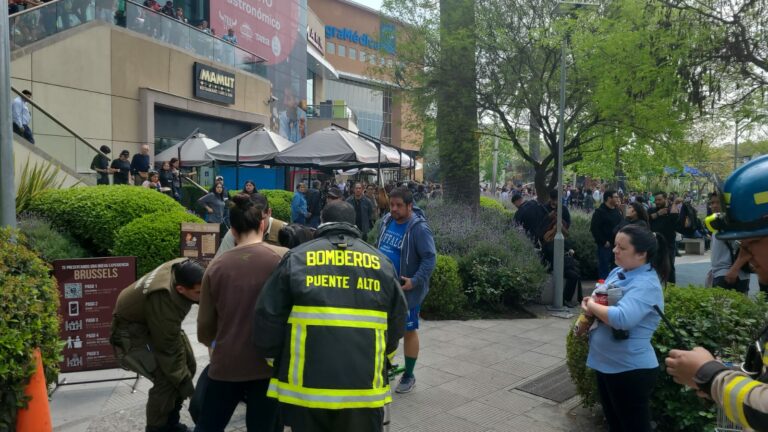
148 339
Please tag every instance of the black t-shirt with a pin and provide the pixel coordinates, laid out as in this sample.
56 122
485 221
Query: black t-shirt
121 177
100 162
166 178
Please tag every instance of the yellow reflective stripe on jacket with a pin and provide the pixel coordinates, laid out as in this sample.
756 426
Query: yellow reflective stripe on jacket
338 317
329 398
378 367
733 398
296 362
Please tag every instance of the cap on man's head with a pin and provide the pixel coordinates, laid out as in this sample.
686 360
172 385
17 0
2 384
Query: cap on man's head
334 193
125 153
105 149
339 211
219 177
745 199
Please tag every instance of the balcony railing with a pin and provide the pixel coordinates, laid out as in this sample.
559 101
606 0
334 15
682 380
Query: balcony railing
40 22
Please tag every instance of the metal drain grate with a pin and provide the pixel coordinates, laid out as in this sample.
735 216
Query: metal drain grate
555 385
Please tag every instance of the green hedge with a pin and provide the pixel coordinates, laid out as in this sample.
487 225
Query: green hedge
49 243
94 214
153 239
279 202
491 203
722 321
446 294
29 319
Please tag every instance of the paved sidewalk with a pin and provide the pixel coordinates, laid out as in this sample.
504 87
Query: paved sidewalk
466 378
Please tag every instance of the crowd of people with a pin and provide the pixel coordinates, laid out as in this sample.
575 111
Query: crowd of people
274 336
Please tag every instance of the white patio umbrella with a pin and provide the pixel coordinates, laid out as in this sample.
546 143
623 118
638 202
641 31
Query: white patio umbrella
191 152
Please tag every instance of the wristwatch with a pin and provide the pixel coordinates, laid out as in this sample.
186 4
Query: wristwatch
706 374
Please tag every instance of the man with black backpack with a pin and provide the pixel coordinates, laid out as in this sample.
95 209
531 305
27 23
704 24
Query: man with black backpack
728 268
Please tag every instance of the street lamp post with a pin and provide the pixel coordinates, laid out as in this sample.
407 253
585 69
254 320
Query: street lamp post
558 267
7 190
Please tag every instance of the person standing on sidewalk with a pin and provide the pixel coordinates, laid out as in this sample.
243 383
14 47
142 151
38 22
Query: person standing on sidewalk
405 238
603 225
330 315
231 286
664 221
140 166
148 339
620 350
727 262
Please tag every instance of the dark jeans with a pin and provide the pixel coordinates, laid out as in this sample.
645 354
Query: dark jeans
672 251
163 405
626 399
324 420
604 261
221 399
24 131
741 286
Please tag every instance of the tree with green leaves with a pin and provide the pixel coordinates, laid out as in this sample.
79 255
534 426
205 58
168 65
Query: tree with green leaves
622 85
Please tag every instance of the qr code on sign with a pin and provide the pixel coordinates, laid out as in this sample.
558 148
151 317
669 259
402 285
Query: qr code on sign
73 290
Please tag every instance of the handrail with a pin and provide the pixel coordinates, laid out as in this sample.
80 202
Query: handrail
55 120
260 58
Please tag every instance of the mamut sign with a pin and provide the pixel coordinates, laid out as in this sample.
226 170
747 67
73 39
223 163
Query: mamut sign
214 84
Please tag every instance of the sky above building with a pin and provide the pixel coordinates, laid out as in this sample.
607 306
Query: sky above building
375 4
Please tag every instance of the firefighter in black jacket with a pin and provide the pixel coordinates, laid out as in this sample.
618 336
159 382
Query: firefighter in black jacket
330 315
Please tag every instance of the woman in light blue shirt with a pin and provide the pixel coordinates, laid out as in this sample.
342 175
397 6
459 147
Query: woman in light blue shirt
620 348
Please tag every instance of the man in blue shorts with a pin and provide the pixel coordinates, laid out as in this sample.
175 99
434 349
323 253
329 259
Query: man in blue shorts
405 238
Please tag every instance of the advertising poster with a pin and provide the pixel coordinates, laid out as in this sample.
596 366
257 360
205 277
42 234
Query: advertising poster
277 31
88 290
200 241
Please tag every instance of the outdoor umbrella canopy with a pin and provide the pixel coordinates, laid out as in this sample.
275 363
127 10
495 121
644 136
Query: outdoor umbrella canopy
256 147
193 151
333 147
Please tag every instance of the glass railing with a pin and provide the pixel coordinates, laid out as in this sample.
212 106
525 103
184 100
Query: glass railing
331 111
64 146
57 16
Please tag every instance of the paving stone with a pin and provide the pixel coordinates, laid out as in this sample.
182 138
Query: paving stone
427 357
523 423
446 423
494 378
482 414
457 367
469 388
510 401
468 341
430 377
490 355
481 324
552 350
542 360
448 349
515 367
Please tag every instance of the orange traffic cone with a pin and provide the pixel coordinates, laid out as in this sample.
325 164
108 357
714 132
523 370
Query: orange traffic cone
37 416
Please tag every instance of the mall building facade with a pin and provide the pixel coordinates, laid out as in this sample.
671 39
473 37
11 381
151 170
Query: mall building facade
120 75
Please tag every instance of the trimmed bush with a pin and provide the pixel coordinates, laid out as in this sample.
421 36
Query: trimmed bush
94 214
580 239
279 202
724 322
47 242
494 276
29 303
491 203
153 239
446 296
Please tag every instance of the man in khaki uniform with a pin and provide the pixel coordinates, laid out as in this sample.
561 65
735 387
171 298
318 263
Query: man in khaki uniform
148 339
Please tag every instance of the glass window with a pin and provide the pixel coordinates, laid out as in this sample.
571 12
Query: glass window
362 56
352 53
330 47
372 58
341 50
382 61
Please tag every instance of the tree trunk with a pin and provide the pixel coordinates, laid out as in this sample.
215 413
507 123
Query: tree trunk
541 183
457 103
534 144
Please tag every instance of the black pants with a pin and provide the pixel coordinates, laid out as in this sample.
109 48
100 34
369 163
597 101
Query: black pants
221 399
324 420
672 251
741 285
626 399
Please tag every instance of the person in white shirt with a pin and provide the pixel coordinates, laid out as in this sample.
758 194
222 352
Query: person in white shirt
597 196
22 117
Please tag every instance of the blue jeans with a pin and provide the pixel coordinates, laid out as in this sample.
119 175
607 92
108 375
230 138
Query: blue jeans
604 261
